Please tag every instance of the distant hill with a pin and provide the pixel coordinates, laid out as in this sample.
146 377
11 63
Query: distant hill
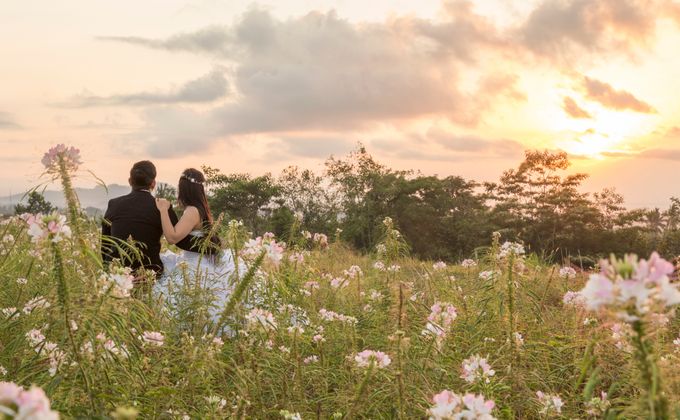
91 199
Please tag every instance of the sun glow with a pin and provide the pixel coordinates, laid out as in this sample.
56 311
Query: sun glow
608 131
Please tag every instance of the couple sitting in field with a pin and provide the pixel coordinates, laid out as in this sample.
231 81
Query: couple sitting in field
144 219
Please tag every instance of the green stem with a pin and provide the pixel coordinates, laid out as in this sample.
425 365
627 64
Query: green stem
360 391
63 295
651 381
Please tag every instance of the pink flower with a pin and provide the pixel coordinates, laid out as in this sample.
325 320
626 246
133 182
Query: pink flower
599 291
30 405
445 404
477 407
567 273
552 403
260 318
9 392
476 369
69 155
467 263
439 265
310 359
450 406
366 357
153 338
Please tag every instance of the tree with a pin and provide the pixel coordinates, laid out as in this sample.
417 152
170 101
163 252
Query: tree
308 195
36 203
242 197
166 191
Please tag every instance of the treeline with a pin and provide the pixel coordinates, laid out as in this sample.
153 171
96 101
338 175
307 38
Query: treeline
447 218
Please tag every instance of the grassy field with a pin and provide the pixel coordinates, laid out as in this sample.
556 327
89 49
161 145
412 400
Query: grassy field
490 337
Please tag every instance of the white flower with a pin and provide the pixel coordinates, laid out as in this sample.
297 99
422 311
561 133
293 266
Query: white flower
467 263
509 248
260 318
552 403
310 359
439 265
567 273
476 369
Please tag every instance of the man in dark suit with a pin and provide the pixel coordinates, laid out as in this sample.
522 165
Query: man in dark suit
135 216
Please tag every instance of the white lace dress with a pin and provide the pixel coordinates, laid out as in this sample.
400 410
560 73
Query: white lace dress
185 271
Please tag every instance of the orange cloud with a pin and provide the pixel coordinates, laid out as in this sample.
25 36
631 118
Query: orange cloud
619 100
573 110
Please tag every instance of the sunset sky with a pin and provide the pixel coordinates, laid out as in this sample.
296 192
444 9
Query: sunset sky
445 87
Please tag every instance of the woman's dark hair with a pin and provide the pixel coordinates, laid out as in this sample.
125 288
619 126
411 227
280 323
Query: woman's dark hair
142 175
191 192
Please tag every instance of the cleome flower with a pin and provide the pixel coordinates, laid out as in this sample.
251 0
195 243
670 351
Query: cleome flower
51 227
567 273
511 248
69 155
476 369
551 404
273 250
439 265
468 263
153 338
366 357
632 287
19 403
450 406
259 318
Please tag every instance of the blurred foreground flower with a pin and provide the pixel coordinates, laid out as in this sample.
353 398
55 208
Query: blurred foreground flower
449 405
52 227
18 403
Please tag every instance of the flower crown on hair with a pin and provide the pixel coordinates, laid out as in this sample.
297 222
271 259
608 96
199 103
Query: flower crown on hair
191 179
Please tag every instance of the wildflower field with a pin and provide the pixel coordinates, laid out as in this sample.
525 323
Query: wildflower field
314 330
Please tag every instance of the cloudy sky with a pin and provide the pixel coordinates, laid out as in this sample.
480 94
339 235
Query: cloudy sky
446 87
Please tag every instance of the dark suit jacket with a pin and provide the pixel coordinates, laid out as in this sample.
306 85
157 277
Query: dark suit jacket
135 215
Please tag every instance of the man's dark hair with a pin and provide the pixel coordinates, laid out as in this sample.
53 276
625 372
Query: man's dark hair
142 174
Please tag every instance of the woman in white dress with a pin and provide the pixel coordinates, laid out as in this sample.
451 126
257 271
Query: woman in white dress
201 261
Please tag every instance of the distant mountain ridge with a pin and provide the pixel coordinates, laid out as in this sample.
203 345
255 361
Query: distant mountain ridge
97 197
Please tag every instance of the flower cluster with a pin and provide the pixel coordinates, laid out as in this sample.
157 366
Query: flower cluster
353 272
510 248
632 288
273 250
476 369
52 227
120 281
488 274
37 302
69 155
574 299
598 406
259 318
468 263
440 319
551 404
327 315
366 357
108 345
451 406
40 345
19 403
439 265
153 338
321 240
567 273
